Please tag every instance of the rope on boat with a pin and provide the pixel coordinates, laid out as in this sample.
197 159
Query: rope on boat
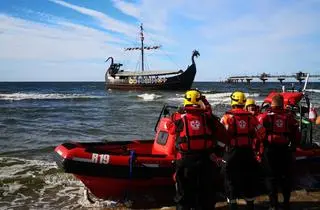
132 159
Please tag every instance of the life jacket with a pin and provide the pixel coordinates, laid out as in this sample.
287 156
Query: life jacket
278 129
193 133
239 129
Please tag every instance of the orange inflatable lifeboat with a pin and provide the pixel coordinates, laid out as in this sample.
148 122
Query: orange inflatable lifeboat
290 98
111 169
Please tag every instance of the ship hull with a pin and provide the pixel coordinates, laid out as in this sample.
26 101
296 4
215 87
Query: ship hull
182 81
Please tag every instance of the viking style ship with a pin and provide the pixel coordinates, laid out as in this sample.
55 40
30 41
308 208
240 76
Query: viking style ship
117 78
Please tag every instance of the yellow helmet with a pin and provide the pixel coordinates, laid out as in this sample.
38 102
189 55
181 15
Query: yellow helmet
249 102
238 98
192 97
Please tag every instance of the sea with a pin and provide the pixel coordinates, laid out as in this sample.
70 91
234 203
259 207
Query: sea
35 117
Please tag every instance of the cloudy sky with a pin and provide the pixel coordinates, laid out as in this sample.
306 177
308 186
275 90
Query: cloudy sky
55 40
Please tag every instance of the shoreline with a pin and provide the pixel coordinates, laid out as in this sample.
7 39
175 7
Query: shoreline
300 200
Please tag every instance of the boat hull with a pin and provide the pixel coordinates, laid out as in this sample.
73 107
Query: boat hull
149 172
110 171
114 188
181 81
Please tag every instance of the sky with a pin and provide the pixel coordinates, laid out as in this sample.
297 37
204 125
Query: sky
69 40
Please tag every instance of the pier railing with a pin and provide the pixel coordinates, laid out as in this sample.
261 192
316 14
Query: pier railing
300 76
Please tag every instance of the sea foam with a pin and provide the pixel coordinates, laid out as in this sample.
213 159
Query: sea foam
43 96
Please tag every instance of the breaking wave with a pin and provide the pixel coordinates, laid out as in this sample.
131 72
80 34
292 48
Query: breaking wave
313 90
217 98
149 97
44 96
38 184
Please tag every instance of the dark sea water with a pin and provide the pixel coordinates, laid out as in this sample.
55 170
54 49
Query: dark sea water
35 117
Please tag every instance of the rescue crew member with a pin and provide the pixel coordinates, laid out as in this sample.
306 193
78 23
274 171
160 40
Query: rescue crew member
198 136
251 106
239 162
278 153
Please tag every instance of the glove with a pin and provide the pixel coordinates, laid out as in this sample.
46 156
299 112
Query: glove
217 160
213 157
258 158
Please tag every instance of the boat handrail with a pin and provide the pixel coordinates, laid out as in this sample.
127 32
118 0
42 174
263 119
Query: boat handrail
306 83
164 111
147 73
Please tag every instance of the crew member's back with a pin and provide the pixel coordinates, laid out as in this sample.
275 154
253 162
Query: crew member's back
198 137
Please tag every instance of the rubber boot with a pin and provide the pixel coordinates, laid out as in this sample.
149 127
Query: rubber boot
233 206
274 203
272 207
250 205
286 200
181 207
286 206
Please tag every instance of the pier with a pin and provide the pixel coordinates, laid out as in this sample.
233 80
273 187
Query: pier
300 76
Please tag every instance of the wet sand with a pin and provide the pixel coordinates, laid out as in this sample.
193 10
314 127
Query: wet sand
300 200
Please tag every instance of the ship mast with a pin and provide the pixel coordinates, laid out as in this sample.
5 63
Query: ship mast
142 48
